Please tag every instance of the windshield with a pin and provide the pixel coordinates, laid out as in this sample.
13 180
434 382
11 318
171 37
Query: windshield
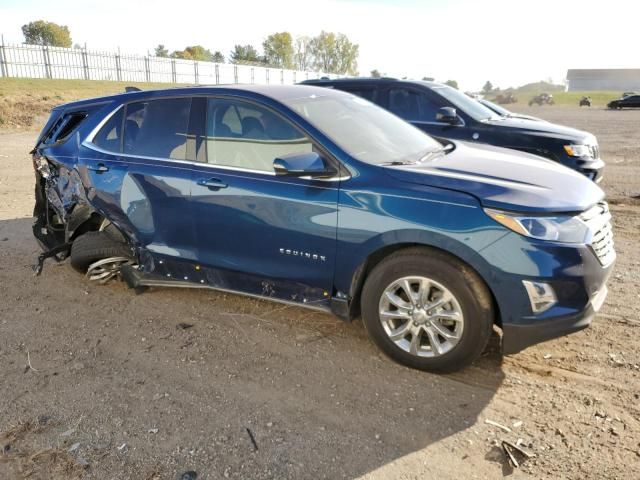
468 105
364 130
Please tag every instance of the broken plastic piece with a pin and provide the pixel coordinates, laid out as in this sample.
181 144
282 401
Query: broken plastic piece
37 268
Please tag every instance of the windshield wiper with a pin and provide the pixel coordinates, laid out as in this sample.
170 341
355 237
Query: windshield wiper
396 163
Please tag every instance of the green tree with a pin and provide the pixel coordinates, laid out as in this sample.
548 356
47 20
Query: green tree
218 57
245 54
302 56
278 50
195 52
375 73
334 53
46 33
451 83
160 51
488 87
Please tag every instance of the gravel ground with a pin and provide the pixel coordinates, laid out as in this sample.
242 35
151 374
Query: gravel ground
100 383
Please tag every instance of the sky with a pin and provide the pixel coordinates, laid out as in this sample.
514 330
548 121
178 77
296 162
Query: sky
509 43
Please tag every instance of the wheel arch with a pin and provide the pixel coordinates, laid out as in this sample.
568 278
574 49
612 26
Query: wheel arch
375 257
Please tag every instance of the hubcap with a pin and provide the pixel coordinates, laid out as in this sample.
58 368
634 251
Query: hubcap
421 316
107 269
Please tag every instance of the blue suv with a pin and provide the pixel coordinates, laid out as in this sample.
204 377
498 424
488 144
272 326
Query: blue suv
443 111
318 198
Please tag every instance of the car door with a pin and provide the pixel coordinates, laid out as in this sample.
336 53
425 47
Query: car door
138 174
420 109
256 232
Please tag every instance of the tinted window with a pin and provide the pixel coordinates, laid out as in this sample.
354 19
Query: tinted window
157 128
110 134
370 94
412 105
248 136
363 130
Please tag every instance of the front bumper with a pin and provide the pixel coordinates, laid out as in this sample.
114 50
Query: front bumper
517 337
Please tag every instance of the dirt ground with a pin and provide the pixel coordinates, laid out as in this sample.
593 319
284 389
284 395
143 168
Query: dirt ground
100 383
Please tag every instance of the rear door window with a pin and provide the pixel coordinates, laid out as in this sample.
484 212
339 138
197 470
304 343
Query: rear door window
157 128
110 135
368 93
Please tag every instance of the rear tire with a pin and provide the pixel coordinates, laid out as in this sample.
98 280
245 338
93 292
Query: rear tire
93 246
442 345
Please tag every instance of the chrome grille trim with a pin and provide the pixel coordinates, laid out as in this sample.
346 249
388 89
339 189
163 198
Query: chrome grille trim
598 219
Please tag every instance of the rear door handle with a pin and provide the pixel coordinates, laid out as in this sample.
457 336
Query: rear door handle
212 183
99 168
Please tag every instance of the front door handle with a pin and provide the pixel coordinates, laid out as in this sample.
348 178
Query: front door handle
99 168
212 183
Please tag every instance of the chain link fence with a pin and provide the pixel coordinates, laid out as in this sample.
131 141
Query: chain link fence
36 61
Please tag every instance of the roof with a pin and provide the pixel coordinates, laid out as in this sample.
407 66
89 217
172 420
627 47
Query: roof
367 80
612 73
275 92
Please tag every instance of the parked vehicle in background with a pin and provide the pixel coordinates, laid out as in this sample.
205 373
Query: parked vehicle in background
503 112
585 102
505 99
542 99
317 198
630 101
442 111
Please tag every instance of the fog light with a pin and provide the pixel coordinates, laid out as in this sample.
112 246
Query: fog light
541 295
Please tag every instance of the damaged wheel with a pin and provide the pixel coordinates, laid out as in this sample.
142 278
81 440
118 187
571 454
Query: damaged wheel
101 253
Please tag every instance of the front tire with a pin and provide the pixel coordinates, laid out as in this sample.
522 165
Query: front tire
94 246
427 310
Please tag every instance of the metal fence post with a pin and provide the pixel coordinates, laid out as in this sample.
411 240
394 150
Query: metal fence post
147 73
173 71
282 77
253 75
195 71
217 73
85 63
118 68
235 74
4 68
47 62
267 76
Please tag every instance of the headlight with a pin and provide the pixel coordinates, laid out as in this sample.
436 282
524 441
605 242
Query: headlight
578 150
559 228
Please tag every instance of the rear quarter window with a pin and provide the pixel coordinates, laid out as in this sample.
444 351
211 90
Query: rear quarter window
64 127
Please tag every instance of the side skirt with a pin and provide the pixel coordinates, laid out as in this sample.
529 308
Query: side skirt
139 280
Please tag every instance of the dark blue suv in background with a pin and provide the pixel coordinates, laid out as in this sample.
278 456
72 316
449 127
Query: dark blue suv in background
315 197
443 111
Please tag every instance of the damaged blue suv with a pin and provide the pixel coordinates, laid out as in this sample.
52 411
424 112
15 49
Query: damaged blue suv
319 198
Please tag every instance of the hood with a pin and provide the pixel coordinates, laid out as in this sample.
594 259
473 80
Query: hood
545 129
505 179
522 116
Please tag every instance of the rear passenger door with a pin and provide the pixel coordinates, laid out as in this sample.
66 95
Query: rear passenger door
139 172
258 233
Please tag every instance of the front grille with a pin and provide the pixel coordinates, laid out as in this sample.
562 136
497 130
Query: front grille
595 152
598 219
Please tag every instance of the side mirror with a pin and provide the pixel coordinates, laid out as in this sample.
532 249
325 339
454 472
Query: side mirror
308 164
448 115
